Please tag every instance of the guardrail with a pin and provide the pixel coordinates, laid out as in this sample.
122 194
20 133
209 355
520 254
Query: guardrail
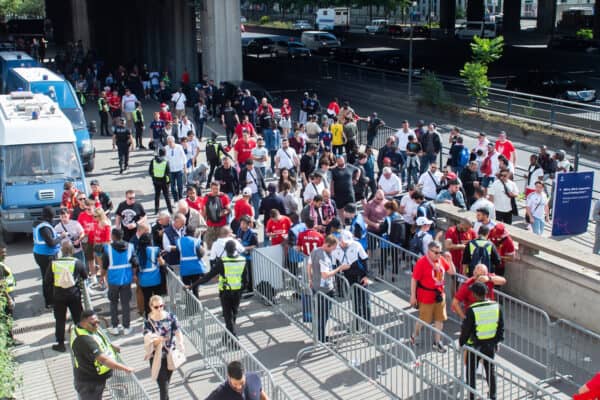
121 385
212 340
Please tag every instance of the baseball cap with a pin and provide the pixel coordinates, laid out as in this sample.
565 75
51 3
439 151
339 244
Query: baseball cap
346 236
94 182
163 105
478 288
423 221
247 192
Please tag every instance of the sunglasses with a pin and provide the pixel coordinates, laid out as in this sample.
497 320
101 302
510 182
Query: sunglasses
435 252
131 198
81 199
158 307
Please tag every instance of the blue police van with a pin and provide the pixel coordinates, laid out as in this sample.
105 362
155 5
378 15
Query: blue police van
13 59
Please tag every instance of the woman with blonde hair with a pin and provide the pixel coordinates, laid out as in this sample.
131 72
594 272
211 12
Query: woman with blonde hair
101 237
162 335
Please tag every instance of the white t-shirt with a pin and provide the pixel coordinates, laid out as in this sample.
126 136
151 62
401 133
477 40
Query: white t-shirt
410 208
537 204
354 251
536 175
484 203
260 152
128 102
402 139
428 184
73 228
176 157
311 190
179 100
185 128
501 200
218 247
478 224
481 145
286 158
193 146
393 184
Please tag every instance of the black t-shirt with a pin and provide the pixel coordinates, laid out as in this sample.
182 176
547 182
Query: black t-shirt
85 350
229 114
341 179
129 213
122 134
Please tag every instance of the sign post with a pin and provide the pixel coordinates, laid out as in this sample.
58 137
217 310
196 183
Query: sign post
572 202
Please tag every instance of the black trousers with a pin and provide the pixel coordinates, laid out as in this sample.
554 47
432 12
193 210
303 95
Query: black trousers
104 124
163 379
505 217
361 301
158 188
490 371
90 390
45 262
123 151
189 279
229 132
230 303
61 304
139 132
247 276
213 167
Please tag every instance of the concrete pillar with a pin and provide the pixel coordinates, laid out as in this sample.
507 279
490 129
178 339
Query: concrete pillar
512 16
81 22
597 19
221 41
448 16
475 10
546 18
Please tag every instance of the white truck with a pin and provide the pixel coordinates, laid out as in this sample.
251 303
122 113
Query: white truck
333 19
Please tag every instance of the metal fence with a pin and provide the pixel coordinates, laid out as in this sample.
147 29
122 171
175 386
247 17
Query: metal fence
122 385
211 339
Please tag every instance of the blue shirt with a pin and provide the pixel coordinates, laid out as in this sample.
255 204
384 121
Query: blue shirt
458 200
272 139
157 128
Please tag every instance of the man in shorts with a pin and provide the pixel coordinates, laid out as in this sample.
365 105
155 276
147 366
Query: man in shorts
427 290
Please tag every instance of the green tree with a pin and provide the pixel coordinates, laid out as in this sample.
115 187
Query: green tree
432 90
585 34
486 51
23 8
476 79
9 380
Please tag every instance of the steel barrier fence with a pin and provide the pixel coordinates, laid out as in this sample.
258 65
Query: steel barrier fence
212 340
122 385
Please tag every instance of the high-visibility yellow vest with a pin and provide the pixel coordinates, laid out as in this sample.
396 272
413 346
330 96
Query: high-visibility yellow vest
233 270
487 314
105 347
8 278
135 116
159 169
60 265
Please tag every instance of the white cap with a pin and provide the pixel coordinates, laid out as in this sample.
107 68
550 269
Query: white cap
247 192
423 221
346 236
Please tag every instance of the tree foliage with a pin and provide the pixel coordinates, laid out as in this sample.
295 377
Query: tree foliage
22 8
9 381
432 90
585 34
486 51
476 79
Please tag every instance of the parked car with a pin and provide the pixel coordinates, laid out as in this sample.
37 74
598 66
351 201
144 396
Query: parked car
376 26
552 84
395 30
302 24
320 41
418 31
383 57
291 48
260 48
477 28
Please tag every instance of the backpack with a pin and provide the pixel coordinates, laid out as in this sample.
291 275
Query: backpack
212 152
464 157
481 255
430 211
267 290
214 209
397 231
416 244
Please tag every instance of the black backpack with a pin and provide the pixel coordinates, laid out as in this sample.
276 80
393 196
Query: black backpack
397 232
430 211
416 244
481 255
214 209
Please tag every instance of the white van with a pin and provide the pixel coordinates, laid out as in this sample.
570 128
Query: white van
333 19
477 28
319 41
377 26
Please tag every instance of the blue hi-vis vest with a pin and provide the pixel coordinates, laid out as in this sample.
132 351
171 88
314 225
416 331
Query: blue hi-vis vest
359 220
293 254
189 264
39 244
119 267
149 274
386 235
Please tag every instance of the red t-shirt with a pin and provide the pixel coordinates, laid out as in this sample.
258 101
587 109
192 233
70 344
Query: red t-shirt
424 273
458 237
310 240
244 150
241 208
465 296
69 199
114 102
594 389
280 228
239 127
505 246
88 223
196 204
505 148
335 107
224 204
101 234
165 116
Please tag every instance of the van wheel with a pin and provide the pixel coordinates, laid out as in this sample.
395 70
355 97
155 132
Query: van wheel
90 165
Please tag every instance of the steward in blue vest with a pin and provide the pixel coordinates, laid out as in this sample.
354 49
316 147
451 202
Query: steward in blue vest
249 239
151 270
46 244
191 266
358 227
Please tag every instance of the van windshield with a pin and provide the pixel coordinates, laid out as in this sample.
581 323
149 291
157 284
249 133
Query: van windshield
326 36
44 162
60 92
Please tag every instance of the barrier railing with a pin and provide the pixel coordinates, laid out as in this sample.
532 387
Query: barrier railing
442 385
121 385
211 339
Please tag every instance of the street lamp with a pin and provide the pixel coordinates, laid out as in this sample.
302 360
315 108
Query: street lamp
410 51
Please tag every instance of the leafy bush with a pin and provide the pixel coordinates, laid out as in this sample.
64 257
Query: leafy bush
8 366
475 76
586 34
264 20
432 90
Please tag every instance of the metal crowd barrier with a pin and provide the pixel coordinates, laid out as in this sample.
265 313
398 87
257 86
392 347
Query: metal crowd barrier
211 339
122 385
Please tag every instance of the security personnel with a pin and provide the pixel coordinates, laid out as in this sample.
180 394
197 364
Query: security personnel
67 273
159 171
94 357
230 270
249 239
46 244
150 271
103 111
123 142
482 329
358 227
138 123
191 266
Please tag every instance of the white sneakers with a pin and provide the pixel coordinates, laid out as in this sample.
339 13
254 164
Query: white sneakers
127 331
116 330
113 330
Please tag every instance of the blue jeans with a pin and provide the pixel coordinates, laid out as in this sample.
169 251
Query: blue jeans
255 201
403 168
487 181
538 226
427 159
177 185
200 128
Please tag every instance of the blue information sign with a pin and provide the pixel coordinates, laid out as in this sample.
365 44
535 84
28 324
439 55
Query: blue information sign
572 202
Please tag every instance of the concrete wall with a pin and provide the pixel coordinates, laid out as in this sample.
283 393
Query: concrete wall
548 273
